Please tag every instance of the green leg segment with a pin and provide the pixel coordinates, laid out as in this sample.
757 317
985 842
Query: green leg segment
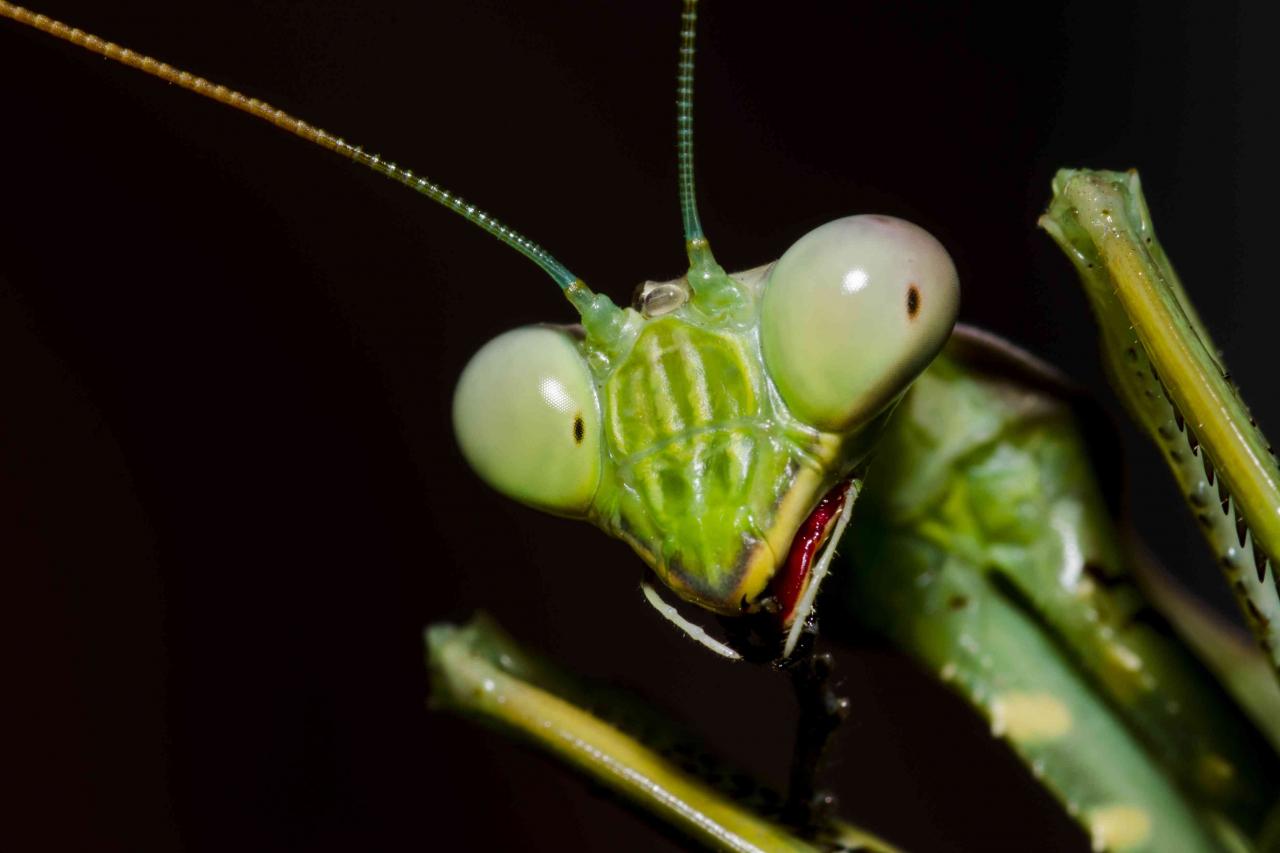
478 671
982 548
1171 378
1008 669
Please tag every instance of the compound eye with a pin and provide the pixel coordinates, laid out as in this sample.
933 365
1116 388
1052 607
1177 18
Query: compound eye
526 417
852 313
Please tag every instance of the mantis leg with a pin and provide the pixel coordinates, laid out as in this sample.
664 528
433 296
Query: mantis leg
479 671
1169 374
1001 661
983 548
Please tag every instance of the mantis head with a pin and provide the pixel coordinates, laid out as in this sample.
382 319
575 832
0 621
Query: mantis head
719 425
715 425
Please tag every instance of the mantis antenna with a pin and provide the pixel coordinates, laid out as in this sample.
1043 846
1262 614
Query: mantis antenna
705 275
599 314
695 240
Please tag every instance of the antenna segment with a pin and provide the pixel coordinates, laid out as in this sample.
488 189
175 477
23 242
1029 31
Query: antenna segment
700 258
574 288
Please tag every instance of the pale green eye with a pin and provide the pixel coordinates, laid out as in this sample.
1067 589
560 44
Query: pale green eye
526 417
852 312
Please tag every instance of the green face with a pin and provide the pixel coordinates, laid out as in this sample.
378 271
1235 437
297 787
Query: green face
705 432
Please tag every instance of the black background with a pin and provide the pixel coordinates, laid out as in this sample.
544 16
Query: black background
229 495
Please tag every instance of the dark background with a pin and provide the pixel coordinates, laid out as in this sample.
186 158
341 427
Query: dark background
229 495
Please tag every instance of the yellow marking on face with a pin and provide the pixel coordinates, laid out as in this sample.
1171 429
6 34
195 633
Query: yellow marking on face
1028 717
1118 827
791 512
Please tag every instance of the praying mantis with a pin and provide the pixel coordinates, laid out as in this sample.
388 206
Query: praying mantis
594 614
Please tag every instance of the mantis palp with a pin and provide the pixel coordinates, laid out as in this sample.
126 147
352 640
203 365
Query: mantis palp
653 228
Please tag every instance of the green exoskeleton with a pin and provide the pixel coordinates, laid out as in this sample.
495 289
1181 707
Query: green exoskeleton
735 429
982 545
718 426
705 425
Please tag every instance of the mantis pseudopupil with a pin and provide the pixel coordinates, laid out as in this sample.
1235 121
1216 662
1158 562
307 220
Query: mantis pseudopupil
181 345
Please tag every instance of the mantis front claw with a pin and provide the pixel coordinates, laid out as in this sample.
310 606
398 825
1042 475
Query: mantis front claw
1171 378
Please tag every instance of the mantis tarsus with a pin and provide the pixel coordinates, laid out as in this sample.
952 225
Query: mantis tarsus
613 243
